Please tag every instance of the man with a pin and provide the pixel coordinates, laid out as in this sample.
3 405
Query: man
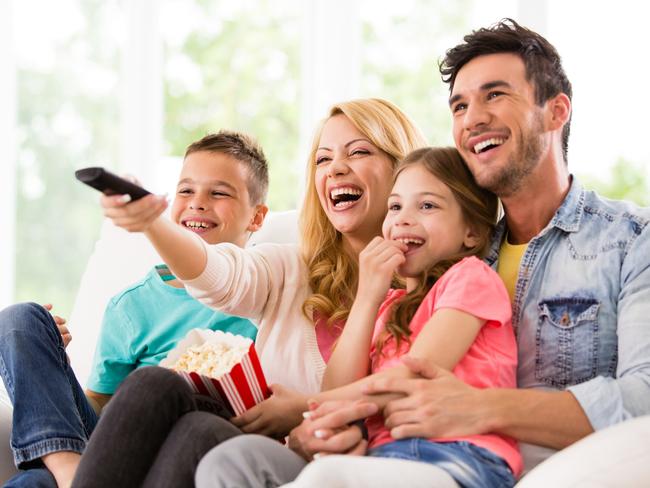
576 265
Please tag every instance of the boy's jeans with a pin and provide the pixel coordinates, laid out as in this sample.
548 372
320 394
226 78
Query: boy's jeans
50 412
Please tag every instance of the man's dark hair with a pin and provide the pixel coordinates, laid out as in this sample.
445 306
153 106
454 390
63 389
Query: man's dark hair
244 149
541 60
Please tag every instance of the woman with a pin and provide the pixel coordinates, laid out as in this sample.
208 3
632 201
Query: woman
154 431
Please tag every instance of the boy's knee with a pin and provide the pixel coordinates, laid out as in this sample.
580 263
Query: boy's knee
25 317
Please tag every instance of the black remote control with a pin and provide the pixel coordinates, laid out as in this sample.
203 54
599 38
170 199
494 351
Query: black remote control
109 183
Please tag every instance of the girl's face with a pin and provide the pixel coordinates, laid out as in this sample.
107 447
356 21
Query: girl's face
423 214
353 179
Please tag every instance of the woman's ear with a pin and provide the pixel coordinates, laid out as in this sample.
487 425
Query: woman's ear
258 218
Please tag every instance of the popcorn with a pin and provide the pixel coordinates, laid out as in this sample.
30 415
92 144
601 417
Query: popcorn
208 359
220 365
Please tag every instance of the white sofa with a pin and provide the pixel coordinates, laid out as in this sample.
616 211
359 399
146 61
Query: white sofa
618 457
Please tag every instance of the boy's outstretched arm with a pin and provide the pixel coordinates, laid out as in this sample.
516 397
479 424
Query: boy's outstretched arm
181 250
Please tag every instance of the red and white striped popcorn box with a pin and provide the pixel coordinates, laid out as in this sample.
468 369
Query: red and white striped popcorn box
243 387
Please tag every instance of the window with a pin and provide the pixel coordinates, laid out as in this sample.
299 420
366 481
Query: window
128 84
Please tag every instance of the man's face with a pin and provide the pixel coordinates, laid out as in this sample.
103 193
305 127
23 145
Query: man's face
212 198
498 128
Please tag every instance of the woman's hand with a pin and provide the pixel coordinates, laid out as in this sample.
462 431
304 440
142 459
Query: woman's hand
327 430
275 416
377 264
133 216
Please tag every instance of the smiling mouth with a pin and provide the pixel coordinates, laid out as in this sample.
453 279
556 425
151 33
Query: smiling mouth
488 144
198 226
345 197
412 243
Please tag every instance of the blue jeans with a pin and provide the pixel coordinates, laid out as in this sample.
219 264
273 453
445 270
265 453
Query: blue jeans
470 466
51 413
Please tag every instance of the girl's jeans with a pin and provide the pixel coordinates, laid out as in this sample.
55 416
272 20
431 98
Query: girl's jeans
471 466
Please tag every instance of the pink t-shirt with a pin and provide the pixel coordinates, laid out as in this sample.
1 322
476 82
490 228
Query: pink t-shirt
473 287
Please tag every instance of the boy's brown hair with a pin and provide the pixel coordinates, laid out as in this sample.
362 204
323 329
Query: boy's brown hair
244 149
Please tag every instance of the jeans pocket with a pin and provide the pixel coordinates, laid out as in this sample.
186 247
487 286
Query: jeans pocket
566 341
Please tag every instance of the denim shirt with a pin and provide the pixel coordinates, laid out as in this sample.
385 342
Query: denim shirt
581 309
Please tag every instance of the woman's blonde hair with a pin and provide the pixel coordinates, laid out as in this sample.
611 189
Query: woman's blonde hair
479 210
333 273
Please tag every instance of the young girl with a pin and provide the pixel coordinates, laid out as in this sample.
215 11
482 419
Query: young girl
455 311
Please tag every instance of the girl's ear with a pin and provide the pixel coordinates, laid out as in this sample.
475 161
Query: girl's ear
258 218
472 238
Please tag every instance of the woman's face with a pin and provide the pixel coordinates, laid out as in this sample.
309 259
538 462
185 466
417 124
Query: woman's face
353 179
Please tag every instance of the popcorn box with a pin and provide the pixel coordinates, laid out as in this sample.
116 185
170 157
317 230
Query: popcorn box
220 365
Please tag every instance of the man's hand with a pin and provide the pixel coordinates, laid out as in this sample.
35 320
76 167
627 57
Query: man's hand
60 324
135 216
275 416
438 405
327 430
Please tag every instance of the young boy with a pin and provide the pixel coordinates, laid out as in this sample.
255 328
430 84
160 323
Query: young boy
220 196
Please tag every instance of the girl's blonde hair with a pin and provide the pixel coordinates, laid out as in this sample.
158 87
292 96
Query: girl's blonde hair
333 273
479 209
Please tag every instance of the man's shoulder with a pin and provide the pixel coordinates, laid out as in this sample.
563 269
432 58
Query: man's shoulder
618 215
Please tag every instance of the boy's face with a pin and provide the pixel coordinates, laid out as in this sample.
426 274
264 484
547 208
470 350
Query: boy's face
212 199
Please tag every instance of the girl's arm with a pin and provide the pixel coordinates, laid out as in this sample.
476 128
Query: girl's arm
181 250
443 341
350 358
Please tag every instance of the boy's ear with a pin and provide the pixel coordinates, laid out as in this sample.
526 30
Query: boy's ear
258 218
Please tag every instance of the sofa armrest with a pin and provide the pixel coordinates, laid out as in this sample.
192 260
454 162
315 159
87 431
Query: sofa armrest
7 468
616 456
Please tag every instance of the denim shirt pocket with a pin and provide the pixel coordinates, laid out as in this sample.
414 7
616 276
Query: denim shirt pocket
567 341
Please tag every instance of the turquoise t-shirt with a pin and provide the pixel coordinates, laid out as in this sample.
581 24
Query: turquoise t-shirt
144 322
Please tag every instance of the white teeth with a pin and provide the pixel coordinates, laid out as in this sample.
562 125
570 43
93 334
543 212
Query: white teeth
196 225
410 240
344 191
494 141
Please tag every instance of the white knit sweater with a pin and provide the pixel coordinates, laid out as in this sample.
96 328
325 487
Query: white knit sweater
268 285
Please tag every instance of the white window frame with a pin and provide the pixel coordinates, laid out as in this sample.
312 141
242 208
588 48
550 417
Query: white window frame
8 116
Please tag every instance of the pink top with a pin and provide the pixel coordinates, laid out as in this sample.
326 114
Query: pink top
472 287
326 335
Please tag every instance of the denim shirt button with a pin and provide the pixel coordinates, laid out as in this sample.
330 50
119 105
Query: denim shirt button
565 319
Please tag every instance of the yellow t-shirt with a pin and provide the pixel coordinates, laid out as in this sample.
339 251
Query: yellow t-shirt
508 266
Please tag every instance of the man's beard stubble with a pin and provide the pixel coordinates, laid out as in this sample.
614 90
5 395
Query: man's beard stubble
509 179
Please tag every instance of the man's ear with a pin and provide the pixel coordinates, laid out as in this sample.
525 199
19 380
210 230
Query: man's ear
559 111
258 218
